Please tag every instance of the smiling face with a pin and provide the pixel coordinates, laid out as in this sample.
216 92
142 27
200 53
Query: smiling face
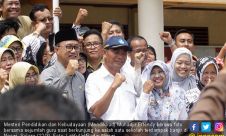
183 65
92 47
158 77
10 8
67 50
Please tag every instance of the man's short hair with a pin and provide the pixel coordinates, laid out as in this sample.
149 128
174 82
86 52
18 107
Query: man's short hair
114 22
93 31
35 8
37 103
136 37
183 31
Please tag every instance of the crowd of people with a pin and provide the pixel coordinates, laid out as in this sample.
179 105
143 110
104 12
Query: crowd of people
106 76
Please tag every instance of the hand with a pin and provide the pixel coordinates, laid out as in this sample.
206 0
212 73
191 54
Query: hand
72 67
3 77
82 13
209 81
224 47
148 86
139 58
57 12
166 37
118 80
106 27
39 27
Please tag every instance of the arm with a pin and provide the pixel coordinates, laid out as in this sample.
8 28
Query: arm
141 112
139 59
222 52
101 105
57 12
82 13
167 38
3 77
105 30
50 76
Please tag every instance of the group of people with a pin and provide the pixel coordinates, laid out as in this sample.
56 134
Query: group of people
104 75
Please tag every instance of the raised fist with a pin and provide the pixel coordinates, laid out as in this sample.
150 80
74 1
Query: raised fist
72 67
166 37
148 86
118 80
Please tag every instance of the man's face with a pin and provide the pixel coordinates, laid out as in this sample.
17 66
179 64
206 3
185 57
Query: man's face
138 45
92 47
67 50
45 17
185 40
115 58
115 30
10 8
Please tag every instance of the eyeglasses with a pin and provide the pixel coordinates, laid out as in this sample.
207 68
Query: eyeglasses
94 44
32 76
70 47
17 49
50 19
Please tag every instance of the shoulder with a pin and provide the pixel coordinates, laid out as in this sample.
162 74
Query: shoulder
50 70
80 76
24 19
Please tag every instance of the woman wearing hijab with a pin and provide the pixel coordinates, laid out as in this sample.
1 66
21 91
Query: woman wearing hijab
23 73
161 104
207 71
14 43
180 67
150 54
7 59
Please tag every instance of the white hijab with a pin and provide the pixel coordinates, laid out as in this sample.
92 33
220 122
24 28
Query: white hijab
147 71
187 82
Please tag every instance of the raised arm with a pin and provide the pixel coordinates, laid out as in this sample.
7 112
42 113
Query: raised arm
167 38
106 26
222 52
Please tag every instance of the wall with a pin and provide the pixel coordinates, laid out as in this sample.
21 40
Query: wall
214 20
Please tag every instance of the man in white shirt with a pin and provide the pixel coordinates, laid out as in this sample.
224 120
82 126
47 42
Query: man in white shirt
110 94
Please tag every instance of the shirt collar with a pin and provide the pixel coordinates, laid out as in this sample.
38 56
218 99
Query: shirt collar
91 67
